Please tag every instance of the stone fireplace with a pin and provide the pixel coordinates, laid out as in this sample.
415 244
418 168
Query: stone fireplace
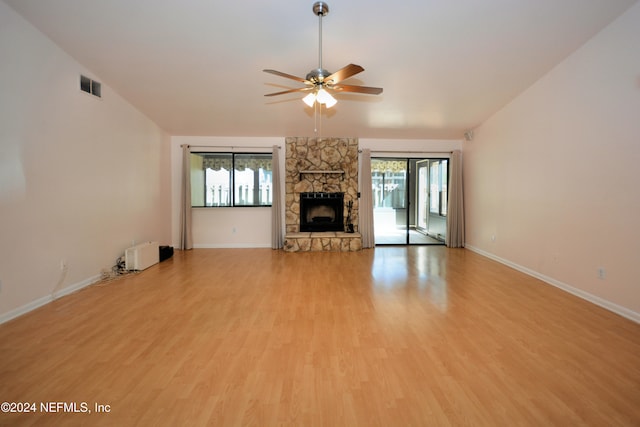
321 194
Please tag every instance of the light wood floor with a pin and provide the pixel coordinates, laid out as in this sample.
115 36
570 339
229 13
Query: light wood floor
399 237
406 336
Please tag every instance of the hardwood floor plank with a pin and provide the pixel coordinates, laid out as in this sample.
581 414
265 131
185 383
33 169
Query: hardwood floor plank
390 336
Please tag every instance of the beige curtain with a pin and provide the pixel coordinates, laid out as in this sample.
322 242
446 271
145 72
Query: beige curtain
277 239
186 239
365 211
455 213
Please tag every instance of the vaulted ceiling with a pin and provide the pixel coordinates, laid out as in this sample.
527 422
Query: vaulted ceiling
195 66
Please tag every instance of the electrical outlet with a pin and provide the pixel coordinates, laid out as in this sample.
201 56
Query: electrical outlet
602 273
493 237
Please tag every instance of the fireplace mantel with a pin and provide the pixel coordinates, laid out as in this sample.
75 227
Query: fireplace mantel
322 172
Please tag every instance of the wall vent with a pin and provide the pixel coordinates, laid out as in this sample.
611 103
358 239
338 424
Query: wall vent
90 86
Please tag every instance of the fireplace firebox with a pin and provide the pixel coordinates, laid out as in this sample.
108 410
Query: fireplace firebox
321 212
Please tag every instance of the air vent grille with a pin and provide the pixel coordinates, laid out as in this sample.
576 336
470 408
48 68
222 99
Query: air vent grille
90 86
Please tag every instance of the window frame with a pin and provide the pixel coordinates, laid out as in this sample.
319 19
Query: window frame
232 179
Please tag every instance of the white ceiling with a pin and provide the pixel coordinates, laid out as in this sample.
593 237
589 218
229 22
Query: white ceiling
195 66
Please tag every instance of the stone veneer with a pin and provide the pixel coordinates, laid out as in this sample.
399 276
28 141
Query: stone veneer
338 157
326 241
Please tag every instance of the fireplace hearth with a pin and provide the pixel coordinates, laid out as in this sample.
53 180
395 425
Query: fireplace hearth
320 211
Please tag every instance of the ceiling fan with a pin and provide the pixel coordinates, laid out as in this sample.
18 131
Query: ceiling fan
319 81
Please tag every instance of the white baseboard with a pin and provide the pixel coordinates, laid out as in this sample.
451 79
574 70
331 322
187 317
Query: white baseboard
231 245
47 299
622 311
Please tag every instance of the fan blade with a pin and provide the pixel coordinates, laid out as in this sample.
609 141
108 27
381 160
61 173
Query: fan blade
302 89
288 76
358 89
343 73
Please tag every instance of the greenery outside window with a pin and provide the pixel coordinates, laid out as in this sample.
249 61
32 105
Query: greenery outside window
231 179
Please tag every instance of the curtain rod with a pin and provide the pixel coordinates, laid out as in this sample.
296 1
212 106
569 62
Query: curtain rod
409 152
229 146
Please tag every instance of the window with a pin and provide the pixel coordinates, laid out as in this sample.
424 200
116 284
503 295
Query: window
231 179
438 187
388 177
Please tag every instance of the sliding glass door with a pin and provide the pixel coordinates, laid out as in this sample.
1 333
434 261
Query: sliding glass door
432 194
410 200
422 194
389 181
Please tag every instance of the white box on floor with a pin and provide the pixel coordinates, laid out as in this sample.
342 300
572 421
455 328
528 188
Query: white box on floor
142 256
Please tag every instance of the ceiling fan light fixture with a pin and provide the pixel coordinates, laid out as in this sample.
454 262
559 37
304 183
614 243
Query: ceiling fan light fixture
310 99
324 97
321 96
331 102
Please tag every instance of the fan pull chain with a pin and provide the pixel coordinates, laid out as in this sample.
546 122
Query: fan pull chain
315 118
320 120
317 122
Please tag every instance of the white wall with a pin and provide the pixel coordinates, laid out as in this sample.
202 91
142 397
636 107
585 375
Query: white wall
214 227
554 175
80 177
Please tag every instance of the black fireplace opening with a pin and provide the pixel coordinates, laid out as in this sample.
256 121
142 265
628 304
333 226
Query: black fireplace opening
321 211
